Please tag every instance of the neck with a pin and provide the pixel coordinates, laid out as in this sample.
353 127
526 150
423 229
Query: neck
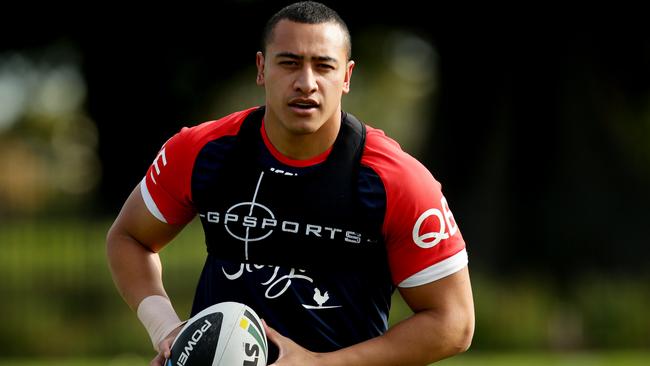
302 146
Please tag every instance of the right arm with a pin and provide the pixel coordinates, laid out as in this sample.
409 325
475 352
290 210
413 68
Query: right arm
132 247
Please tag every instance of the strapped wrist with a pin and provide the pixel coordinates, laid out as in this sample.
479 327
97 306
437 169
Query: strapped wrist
158 317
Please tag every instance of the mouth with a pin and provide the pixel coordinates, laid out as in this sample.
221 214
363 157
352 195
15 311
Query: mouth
304 104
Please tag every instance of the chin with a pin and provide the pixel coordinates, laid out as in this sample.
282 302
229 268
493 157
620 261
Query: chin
303 126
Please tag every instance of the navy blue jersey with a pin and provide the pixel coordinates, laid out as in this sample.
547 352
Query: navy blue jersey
315 247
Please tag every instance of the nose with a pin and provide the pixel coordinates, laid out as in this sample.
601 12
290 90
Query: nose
306 80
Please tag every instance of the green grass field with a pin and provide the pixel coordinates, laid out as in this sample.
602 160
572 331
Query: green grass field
55 280
469 359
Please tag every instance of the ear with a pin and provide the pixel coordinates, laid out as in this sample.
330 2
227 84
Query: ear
259 61
348 77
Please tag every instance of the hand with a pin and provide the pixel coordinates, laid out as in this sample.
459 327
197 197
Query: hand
165 347
290 352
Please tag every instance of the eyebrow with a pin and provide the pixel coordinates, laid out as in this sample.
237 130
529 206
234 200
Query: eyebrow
299 57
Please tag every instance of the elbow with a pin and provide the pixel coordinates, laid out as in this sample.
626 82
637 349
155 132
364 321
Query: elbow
117 242
464 335
456 331
114 250
112 241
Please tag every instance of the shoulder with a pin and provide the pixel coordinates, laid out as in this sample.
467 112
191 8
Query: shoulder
166 187
199 135
422 237
184 147
394 166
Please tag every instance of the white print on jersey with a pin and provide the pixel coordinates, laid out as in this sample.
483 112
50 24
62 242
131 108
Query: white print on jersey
240 218
282 172
439 235
320 300
274 285
155 164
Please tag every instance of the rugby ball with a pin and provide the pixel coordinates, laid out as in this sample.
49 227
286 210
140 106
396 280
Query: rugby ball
224 334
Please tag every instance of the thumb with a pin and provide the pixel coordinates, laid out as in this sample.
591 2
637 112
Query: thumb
165 347
278 339
273 334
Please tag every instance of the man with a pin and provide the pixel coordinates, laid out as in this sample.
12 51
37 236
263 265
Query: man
310 217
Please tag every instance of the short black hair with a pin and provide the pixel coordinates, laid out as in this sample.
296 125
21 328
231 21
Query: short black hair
306 12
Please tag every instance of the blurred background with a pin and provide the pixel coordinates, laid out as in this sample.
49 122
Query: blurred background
535 120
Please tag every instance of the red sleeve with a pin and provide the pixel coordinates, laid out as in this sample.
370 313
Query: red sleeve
422 237
167 186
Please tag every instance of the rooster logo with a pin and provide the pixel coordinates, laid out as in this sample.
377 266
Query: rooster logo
320 299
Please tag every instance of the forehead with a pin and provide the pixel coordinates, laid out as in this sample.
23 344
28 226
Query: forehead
325 39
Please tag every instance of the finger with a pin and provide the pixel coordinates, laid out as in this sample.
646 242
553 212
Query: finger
272 334
164 347
279 340
159 360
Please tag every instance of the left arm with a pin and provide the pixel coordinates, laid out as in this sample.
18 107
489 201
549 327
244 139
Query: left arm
442 326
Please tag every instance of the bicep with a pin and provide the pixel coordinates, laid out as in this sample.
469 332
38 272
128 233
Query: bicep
444 309
137 222
449 294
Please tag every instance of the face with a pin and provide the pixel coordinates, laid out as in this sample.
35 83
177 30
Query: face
305 72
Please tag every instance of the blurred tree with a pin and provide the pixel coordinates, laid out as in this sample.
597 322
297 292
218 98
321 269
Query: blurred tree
537 122
47 141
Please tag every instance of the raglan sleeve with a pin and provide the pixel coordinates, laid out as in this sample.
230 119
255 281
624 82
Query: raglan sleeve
422 237
166 187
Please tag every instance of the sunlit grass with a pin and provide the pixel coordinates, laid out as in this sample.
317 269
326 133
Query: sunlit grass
55 276
616 358
472 358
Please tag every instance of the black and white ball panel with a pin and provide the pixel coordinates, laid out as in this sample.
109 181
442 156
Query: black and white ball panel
223 334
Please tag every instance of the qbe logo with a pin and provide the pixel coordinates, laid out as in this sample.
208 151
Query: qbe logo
444 220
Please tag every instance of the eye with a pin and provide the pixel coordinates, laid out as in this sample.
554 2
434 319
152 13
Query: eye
326 66
288 63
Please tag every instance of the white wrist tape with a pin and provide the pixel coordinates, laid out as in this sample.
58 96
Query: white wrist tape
159 318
